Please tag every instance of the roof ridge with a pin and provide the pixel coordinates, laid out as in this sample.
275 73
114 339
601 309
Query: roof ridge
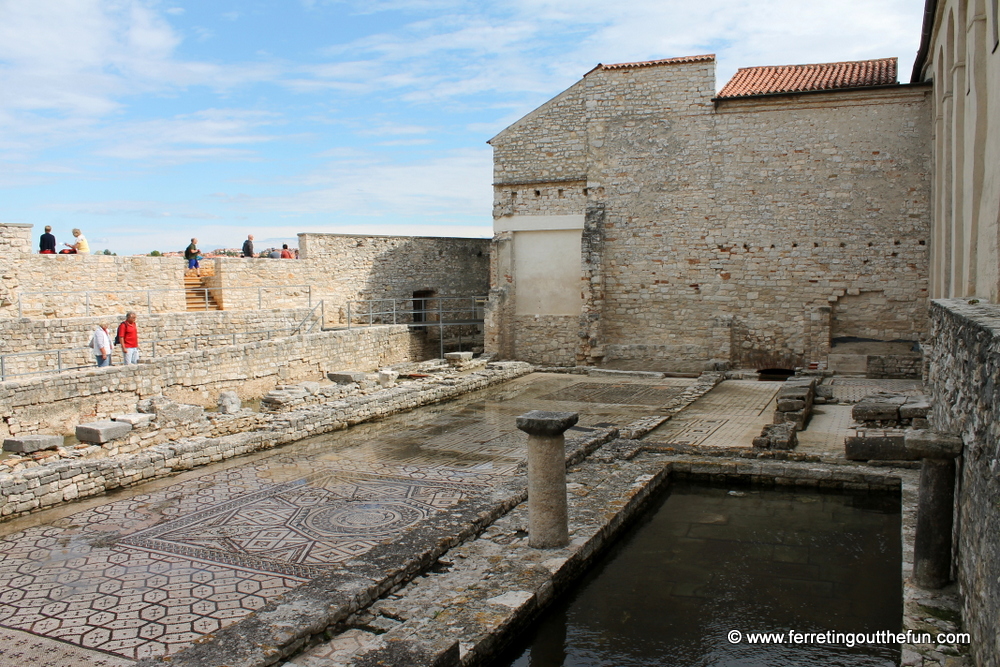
654 63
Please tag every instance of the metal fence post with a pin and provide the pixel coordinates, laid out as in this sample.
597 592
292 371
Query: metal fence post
149 303
3 369
394 311
348 314
310 293
59 359
88 304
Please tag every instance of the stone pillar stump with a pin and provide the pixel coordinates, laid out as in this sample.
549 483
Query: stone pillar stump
548 515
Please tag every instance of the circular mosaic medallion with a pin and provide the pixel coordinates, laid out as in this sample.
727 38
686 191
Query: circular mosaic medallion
365 519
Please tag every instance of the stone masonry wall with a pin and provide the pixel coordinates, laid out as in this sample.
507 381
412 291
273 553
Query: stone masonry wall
56 403
747 228
14 239
173 332
335 268
964 372
118 284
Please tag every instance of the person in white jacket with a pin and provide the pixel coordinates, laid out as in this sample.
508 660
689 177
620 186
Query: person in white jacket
100 343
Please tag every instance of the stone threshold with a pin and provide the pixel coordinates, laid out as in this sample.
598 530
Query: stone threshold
50 484
482 594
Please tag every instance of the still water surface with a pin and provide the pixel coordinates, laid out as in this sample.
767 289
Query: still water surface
708 560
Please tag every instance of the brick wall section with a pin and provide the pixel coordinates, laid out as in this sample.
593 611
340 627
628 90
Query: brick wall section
56 403
176 331
965 365
738 230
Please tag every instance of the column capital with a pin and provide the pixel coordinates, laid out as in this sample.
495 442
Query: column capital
545 423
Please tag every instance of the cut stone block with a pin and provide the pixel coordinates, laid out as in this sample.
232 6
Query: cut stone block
933 445
136 420
26 444
878 408
790 404
388 378
100 432
346 377
458 356
229 403
915 408
824 391
179 412
877 446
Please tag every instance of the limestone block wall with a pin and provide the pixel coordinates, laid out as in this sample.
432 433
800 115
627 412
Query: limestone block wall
751 231
964 367
14 239
49 285
173 332
56 403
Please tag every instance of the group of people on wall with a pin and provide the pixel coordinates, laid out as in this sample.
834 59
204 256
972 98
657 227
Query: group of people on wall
47 244
127 336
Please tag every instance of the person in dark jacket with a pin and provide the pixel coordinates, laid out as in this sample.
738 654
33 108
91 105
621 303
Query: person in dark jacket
248 246
47 242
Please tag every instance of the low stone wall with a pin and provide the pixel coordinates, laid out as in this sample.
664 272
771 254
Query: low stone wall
899 366
174 332
46 485
56 403
964 372
549 340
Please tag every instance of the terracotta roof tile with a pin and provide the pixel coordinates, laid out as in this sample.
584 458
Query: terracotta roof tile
799 78
709 57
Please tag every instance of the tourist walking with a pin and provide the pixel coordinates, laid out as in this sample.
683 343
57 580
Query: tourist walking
191 255
47 242
79 247
128 336
286 253
100 343
248 246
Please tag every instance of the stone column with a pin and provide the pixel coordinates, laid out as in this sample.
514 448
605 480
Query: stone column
935 512
548 516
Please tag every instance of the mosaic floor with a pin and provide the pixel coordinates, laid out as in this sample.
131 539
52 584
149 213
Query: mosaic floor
153 571
731 415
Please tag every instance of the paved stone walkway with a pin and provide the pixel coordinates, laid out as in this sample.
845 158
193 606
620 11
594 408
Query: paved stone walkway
159 568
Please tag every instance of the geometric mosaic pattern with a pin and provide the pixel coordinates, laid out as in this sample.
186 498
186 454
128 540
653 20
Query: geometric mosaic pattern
854 389
616 394
302 528
153 571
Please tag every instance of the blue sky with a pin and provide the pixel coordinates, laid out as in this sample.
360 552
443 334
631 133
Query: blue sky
145 123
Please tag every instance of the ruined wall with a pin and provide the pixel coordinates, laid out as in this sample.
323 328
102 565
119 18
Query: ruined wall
56 403
741 231
964 368
826 208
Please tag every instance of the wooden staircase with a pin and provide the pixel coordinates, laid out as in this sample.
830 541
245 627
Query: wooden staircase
194 294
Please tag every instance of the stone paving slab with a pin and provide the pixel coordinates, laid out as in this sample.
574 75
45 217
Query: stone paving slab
852 390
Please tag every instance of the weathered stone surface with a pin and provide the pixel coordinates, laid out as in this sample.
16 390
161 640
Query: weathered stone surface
178 412
933 445
777 436
100 432
387 378
136 420
790 404
32 443
877 445
878 408
932 545
458 356
346 377
149 405
545 423
917 407
229 403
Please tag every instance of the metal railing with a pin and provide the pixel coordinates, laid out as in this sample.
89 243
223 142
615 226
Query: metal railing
426 311
66 354
321 320
115 298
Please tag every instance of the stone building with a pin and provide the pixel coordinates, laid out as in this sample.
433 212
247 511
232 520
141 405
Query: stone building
960 53
642 220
